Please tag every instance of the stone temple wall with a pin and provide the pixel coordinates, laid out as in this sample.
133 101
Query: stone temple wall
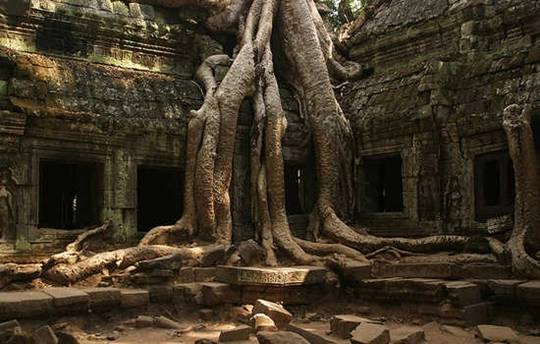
443 73
106 84
92 82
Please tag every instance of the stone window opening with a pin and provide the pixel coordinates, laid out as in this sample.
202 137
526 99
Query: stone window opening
494 185
159 196
70 194
382 185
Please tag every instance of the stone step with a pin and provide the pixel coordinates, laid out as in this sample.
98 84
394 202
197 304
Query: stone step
440 270
50 302
216 293
422 290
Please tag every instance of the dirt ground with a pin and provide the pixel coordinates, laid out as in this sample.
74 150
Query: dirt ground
119 328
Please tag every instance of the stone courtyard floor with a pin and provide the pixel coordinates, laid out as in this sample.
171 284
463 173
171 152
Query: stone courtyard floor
121 327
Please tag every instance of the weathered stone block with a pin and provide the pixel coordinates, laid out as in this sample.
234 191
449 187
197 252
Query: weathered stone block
463 293
276 312
367 333
529 293
407 335
357 271
219 293
160 293
342 325
103 299
236 334
284 276
69 300
504 289
280 338
412 270
187 293
8 329
134 298
262 322
185 275
311 335
135 10
25 304
204 274
497 334
44 335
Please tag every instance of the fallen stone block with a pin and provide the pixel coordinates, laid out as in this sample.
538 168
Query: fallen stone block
236 334
103 299
8 329
205 341
66 338
280 338
134 298
241 313
164 322
44 335
25 304
262 322
311 335
218 294
497 334
407 335
144 321
69 301
276 312
367 333
342 325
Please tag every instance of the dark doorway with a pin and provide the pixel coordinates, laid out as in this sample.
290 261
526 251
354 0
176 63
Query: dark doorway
494 185
294 190
70 194
383 190
159 197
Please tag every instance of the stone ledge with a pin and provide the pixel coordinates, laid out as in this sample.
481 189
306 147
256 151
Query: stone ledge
281 276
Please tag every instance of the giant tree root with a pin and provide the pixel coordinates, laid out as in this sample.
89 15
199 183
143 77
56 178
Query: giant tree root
66 274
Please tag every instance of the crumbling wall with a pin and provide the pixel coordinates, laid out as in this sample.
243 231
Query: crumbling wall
94 82
443 73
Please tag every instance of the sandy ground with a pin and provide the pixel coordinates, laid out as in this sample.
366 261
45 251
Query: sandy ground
119 328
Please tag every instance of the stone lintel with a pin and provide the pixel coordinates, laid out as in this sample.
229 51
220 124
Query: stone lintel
266 276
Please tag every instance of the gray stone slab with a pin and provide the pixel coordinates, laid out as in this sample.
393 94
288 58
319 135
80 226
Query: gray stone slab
282 276
25 304
529 293
134 298
103 299
68 300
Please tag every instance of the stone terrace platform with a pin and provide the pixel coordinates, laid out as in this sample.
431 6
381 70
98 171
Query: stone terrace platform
465 301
